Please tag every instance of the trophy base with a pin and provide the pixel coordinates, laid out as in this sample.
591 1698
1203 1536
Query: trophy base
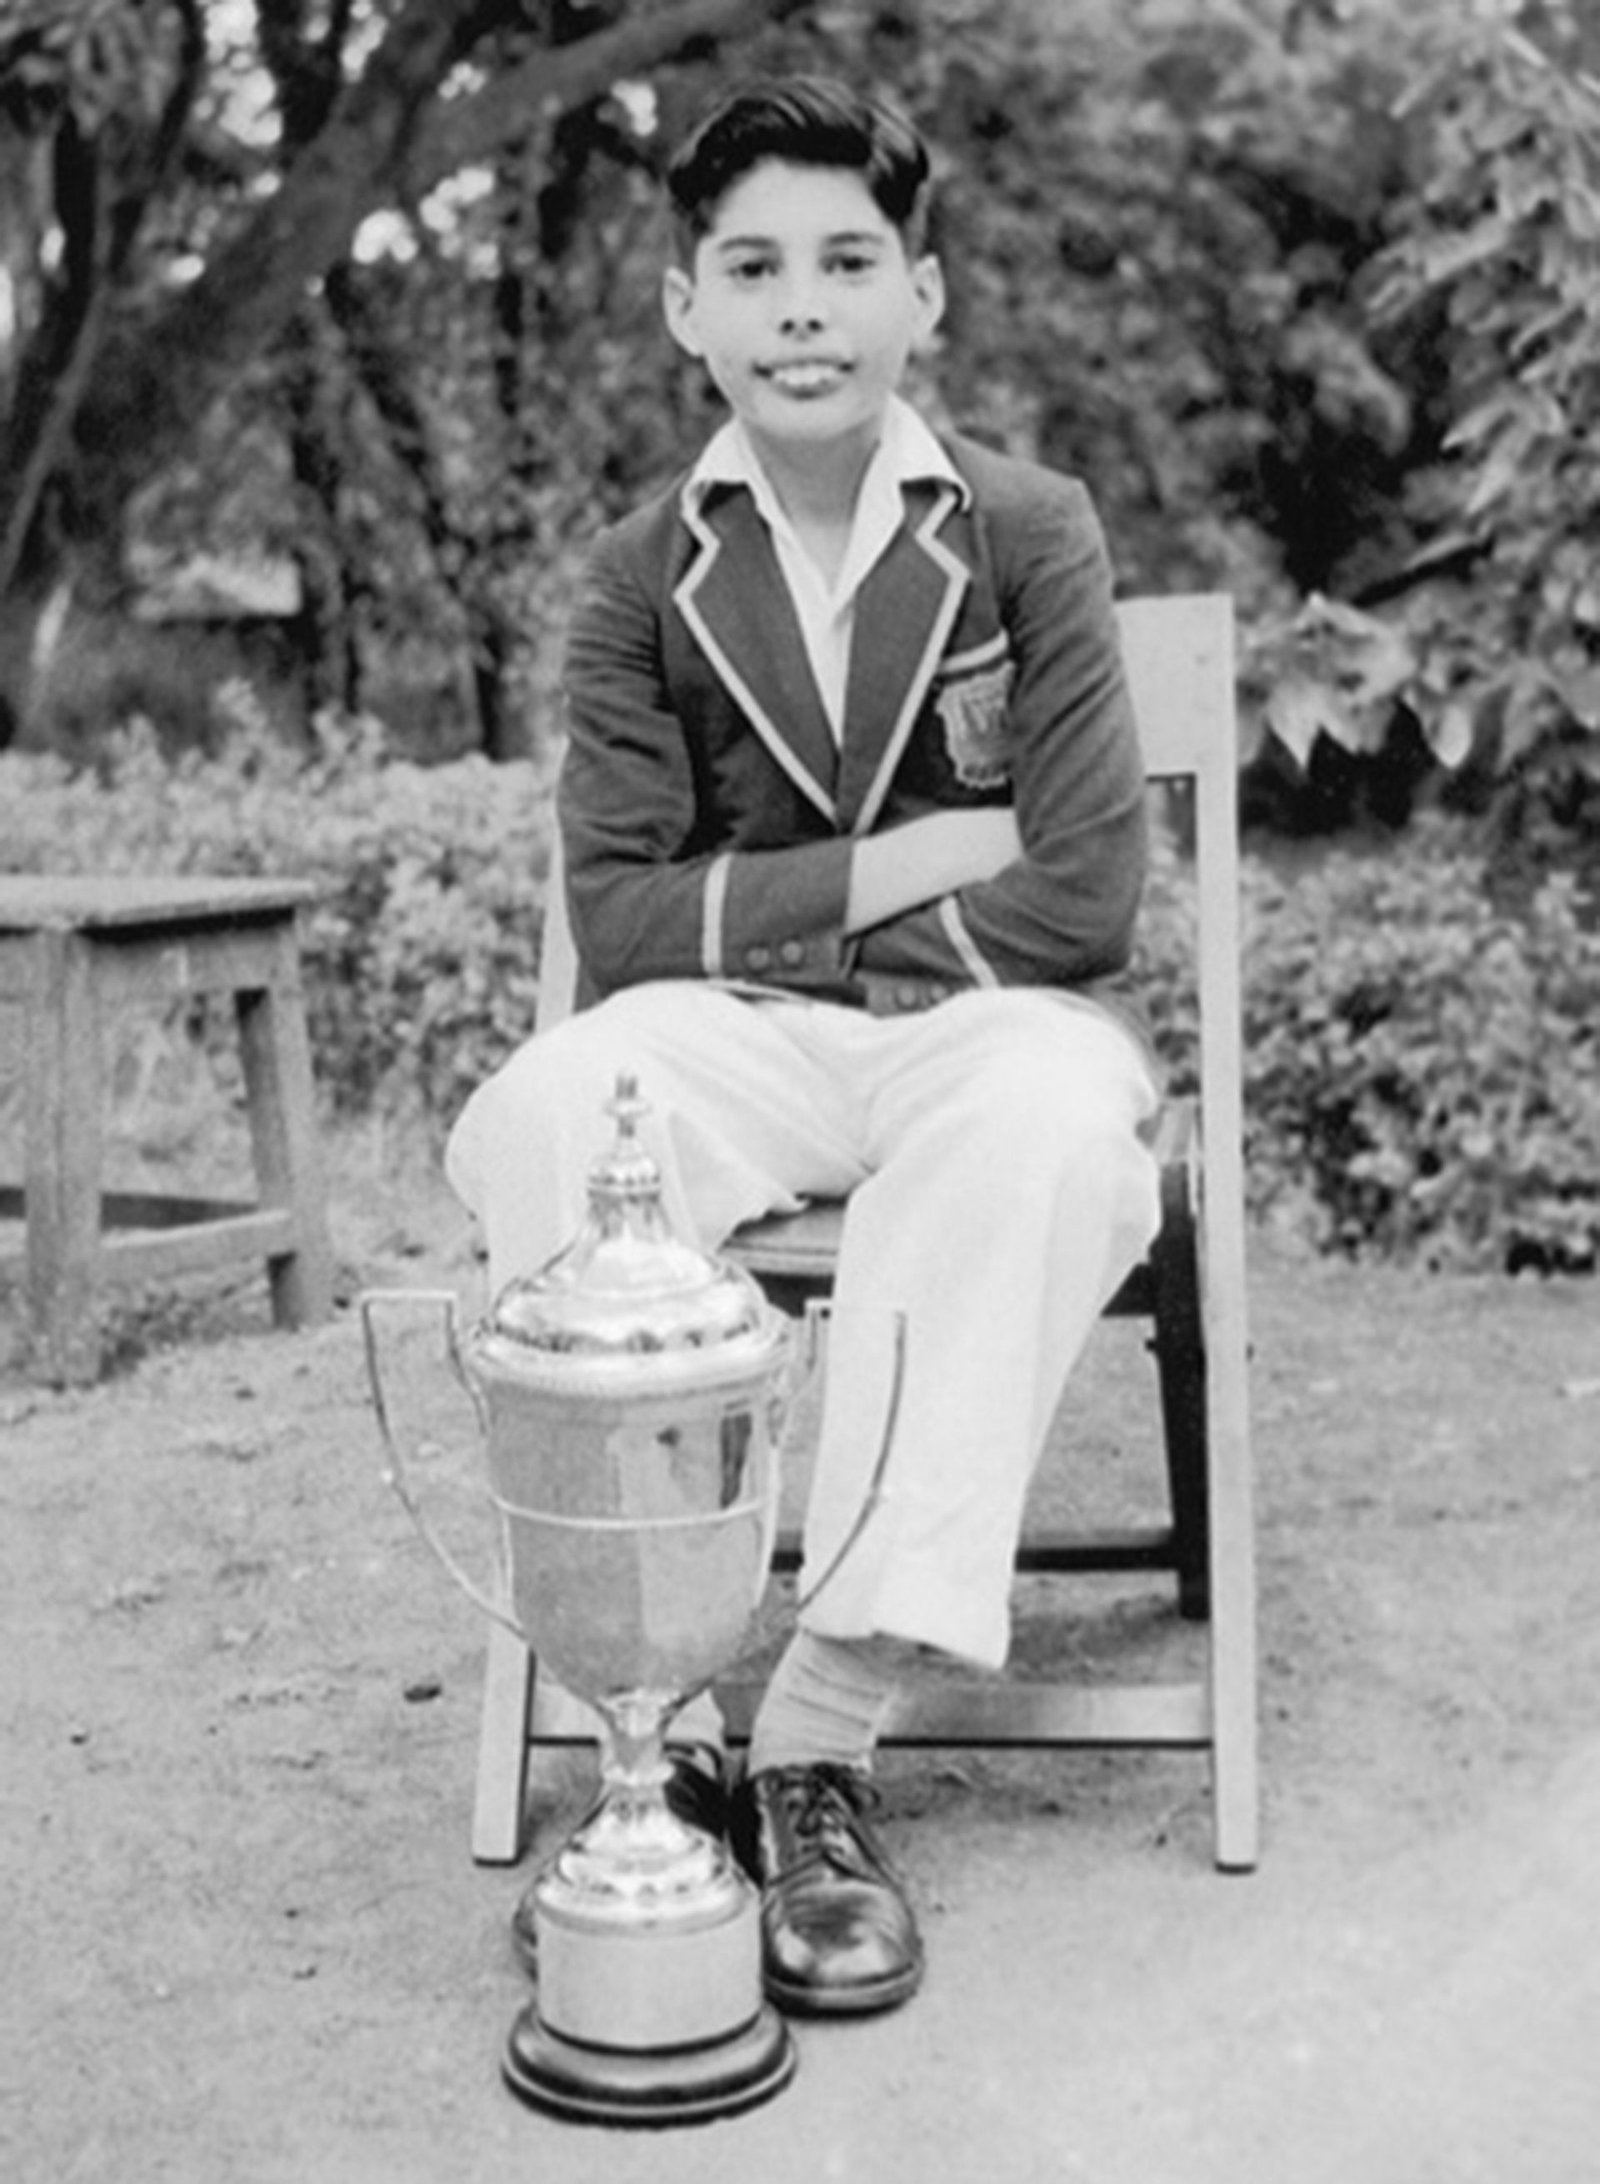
644 2088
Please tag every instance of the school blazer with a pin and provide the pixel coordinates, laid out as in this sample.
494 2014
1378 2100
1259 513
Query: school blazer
707 812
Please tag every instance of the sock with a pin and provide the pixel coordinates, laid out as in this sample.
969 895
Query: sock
827 1700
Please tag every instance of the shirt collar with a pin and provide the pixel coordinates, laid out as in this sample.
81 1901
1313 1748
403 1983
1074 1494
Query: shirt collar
908 453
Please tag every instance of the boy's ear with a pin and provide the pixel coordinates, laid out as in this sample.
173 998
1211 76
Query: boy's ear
677 304
927 281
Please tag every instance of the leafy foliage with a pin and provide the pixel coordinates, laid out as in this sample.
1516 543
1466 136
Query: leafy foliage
1504 242
1422 1063
92 57
1419 1063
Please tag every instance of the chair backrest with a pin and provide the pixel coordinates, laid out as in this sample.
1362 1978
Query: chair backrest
1178 657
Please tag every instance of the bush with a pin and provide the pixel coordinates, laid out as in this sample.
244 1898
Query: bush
1419 1061
421 951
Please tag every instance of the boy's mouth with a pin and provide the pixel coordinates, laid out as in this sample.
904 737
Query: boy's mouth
811 376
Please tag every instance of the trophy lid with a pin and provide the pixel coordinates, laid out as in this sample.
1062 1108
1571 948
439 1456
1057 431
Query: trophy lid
627 1288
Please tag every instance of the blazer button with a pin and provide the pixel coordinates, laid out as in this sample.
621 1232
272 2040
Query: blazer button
792 953
908 996
758 957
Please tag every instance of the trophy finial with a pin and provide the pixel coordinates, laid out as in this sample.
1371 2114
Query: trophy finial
626 1173
626 1105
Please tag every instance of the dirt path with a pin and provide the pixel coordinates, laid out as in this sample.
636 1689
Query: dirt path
243 1939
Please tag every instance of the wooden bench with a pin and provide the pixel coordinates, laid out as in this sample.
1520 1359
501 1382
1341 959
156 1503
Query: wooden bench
71 950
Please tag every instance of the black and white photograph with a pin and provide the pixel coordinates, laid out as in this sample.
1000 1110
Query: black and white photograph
799 1091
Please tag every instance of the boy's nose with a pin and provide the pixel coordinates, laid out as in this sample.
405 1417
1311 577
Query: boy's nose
800 306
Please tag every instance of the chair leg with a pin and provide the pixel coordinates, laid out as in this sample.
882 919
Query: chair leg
522 1706
1180 1352
276 1054
1234 1760
502 1790
1234 1730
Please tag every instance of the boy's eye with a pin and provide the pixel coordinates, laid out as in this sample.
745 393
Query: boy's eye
745 272
851 262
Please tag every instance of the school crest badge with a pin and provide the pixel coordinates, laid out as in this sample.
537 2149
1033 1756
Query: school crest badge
972 708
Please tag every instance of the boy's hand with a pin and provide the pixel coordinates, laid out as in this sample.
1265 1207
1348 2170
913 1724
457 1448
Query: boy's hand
926 858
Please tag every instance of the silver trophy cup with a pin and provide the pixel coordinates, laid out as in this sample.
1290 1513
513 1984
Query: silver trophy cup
630 1398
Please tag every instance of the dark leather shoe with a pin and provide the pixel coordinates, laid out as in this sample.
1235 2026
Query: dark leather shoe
837 1933
696 1791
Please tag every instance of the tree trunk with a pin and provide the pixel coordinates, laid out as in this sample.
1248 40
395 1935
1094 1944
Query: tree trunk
153 379
455 551
32 620
330 587
53 371
492 642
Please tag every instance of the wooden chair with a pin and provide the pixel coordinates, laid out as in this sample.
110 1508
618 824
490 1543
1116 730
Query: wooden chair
1191 1288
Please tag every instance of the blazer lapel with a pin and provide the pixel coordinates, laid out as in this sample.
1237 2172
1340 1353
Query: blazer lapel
905 611
735 602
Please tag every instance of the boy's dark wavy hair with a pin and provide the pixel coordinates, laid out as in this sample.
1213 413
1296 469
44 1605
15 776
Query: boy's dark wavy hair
805 121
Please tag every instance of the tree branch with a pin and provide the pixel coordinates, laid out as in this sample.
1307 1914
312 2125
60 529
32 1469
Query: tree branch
512 105
154 379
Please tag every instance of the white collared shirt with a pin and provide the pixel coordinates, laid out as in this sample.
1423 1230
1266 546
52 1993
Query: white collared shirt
907 452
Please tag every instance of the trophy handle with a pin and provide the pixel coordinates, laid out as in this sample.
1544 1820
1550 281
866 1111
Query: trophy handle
372 1301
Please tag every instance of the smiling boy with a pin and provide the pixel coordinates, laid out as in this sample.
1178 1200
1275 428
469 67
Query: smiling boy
853 818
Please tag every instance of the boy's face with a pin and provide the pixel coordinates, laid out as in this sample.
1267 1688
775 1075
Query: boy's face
804 307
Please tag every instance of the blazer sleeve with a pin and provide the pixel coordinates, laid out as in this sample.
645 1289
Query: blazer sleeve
1063 914
655 887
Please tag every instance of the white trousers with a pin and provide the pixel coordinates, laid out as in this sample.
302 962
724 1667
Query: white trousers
999 1190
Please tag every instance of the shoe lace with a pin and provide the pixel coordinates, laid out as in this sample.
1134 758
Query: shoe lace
823 1807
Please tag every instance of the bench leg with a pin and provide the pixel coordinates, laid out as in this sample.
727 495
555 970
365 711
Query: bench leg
62 1159
276 1054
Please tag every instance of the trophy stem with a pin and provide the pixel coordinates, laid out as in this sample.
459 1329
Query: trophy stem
633 1757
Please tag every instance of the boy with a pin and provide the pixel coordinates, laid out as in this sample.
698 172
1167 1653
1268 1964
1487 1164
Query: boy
854 826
